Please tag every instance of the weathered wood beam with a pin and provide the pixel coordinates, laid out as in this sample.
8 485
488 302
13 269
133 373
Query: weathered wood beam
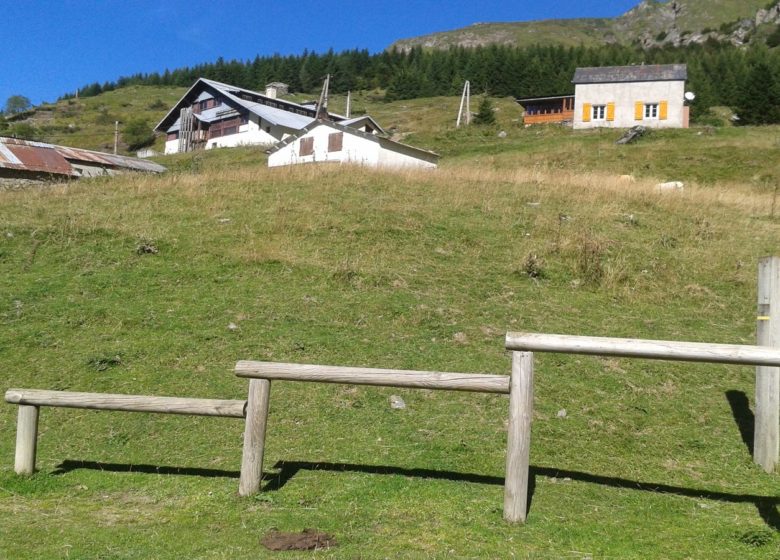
127 403
649 349
478 383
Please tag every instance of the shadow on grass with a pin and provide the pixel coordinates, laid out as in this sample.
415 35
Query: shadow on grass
743 416
767 506
68 466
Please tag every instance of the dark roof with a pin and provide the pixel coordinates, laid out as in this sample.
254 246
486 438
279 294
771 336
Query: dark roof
548 98
641 73
285 113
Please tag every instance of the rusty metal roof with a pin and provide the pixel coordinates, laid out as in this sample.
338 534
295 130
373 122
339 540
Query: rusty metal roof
33 156
109 160
39 157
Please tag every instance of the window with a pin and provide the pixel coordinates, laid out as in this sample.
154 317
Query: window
651 110
335 142
599 112
307 147
173 135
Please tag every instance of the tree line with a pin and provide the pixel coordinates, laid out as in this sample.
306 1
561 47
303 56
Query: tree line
746 79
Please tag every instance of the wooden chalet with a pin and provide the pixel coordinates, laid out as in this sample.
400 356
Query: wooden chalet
544 110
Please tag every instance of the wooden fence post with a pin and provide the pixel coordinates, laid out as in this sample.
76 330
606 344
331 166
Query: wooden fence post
254 436
766 443
26 439
521 404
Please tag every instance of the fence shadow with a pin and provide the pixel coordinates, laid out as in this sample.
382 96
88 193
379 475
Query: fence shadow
69 465
743 416
288 469
767 506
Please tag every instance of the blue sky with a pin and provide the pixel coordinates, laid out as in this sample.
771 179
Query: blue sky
52 47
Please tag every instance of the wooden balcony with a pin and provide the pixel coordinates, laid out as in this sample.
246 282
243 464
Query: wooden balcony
547 118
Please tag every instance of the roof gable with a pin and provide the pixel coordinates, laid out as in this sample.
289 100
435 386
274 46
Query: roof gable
637 73
385 143
277 111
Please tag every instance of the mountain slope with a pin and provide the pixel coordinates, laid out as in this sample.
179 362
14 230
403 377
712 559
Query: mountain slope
650 23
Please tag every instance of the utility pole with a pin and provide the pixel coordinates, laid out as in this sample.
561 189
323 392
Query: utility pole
116 136
322 105
465 99
349 104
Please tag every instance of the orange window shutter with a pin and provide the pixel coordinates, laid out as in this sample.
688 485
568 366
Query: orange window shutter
586 111
610 111
663 110
639 110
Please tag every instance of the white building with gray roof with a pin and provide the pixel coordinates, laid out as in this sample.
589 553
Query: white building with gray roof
325 141
626 96
216 115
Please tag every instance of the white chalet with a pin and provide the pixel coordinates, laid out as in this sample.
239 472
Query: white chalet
327 141
213 114
626 96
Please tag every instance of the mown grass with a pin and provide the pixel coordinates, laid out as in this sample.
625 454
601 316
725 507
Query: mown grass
412 270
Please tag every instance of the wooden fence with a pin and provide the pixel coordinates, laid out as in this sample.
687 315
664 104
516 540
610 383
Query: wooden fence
30 401
519 386
524 344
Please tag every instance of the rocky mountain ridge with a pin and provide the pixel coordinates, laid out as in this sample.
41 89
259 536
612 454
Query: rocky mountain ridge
651 23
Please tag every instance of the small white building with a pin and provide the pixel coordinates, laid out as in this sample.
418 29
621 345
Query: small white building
327 141
276 89
626 96
216 115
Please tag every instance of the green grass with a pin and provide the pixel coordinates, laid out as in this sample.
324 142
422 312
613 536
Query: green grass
89 122
350 266
694 16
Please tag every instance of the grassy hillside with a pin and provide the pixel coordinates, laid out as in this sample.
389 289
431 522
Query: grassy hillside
569 32
649 17
348 266
89 122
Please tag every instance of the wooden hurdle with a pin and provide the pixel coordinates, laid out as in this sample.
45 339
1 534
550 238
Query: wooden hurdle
30 401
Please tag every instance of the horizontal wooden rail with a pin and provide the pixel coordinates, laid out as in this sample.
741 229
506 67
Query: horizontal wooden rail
474 382
127 403
649 349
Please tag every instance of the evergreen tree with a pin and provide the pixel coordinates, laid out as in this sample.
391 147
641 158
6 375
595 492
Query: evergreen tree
485 114
760 100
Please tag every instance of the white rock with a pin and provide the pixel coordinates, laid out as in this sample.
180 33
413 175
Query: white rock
397 402
562 413
670 186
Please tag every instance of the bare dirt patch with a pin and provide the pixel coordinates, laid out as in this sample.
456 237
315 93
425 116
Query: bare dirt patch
308 539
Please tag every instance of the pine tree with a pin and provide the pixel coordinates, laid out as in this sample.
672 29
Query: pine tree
760 99
485 115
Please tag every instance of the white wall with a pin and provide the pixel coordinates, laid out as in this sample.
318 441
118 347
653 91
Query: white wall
355 149
172 146
390 158
625 96
248 134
